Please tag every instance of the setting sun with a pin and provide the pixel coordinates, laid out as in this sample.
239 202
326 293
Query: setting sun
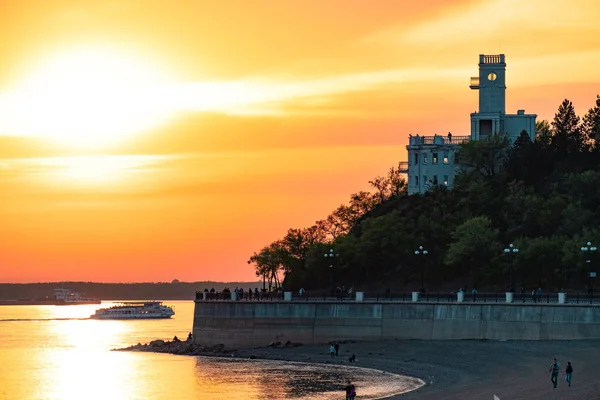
153 141
90 98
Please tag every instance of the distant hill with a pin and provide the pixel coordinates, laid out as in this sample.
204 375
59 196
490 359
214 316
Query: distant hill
118 291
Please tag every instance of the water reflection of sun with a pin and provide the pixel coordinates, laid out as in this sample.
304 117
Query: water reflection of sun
84 374
85 369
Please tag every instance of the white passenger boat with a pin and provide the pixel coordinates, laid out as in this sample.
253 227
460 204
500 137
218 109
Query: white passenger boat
135 310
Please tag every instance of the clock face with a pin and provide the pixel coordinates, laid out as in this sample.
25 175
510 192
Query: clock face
492 76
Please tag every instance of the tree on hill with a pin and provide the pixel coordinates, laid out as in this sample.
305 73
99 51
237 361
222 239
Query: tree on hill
475 244
591 126
540 195
484 157
543 135
567 135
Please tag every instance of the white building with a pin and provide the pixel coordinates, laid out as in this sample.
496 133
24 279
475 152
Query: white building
431 158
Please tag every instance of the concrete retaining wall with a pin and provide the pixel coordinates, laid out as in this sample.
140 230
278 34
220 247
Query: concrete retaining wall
260 323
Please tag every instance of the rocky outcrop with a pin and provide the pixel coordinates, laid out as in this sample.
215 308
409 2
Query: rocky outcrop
285 345
178 347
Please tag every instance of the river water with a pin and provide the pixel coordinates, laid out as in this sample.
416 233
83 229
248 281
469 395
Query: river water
56 352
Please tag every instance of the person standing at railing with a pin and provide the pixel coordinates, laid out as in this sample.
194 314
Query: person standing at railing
474 293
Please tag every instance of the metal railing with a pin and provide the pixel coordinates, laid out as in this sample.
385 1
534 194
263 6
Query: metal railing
437 139
493 59
406 297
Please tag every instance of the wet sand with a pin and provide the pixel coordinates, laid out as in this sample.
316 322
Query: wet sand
466 369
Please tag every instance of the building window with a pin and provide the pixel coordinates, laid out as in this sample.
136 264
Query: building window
445 180
446 157
435 181
425 158
416 181
434 158
425 180
416 159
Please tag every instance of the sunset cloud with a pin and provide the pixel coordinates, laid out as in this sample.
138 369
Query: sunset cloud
138 136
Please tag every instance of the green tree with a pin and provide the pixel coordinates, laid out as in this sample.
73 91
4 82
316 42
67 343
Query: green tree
474 246
567 132
543 133
484 157
269 264
591 126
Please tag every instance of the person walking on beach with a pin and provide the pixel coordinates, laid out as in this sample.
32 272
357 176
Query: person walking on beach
350 391
554 369
337 348
331 350
568 372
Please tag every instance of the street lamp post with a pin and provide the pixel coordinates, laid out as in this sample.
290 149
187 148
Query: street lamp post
333 257
588 250
422 252
511 249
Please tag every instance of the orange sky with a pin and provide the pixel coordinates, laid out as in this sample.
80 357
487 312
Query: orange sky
143 141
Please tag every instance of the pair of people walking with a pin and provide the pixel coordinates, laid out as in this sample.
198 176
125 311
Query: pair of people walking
555 369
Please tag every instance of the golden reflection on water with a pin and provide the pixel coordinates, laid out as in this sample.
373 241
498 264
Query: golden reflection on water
77 374
56 353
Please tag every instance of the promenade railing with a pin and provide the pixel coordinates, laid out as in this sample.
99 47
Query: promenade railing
407 297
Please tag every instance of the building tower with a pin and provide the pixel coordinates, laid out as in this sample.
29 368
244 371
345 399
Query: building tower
431 159
491 85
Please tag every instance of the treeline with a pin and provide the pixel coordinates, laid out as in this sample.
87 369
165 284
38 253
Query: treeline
117 291
543 197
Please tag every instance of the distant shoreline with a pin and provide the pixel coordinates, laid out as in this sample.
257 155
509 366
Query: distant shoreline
453 370
166 291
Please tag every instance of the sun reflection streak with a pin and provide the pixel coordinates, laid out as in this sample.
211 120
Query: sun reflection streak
87 364
78 374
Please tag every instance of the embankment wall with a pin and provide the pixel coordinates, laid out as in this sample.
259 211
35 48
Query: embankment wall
247 323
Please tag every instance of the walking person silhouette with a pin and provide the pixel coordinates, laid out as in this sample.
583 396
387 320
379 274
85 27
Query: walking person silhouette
569 372
554 369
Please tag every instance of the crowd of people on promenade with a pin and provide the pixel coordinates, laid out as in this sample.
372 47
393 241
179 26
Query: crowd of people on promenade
240 294
339 292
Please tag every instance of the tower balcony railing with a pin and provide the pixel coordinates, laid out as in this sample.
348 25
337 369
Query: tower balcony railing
437 140
491 59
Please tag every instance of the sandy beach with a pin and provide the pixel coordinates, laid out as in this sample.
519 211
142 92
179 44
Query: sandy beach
467 369
452 370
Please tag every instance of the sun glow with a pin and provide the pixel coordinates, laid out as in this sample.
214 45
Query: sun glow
86 99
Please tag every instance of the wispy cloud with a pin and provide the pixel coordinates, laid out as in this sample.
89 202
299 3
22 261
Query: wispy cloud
493 19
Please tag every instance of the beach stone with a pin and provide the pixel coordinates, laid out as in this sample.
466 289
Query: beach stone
218 348
157 343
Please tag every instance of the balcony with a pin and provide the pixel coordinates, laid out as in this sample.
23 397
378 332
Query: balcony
403 167
437 140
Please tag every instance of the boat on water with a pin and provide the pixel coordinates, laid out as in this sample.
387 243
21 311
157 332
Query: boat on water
135 310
